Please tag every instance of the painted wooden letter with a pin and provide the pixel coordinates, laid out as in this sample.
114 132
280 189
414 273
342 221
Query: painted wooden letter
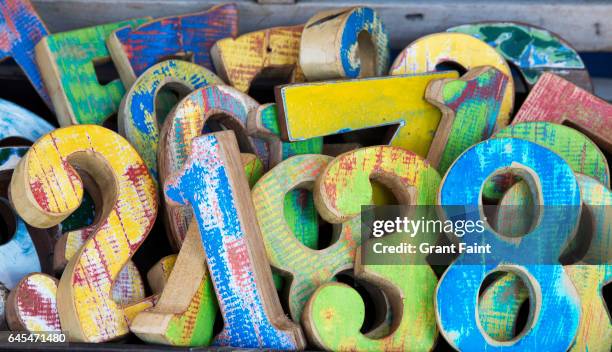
20 30
470 107
426 53
212 182
554 99
374 102
129 206
32 304
273 52
532 49
138 118
66 62
134 50
345 43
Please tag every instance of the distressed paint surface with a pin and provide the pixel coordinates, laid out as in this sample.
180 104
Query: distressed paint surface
533 50
240 60
374 102
67 64
424 54
330 45
457 293
16 121
33 306
4 293
299 209
137 49
20 30
554 99
137 114
307 266
230 240
335 313
84 294
219 104
18 256
470 107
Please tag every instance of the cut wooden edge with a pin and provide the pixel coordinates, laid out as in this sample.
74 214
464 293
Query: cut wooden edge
120 59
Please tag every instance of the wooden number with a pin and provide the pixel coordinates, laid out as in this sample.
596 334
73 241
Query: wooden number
554 99
345 43
212 181
66 61
532 49
374 102
32 304
426 53
136 49
334 314
4 293
129 208
16 121
549 177
212 105
20 29
470 107
307 266
185 313
272 52
186 310
138 118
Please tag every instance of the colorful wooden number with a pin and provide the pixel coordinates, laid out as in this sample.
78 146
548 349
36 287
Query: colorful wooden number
470 107
66 61
554 99
134 50
32 304
212 105
426 53
273 52
307 266
534 258
212 181
20 30
374 102
345 43
532 50
129 203
335 312
138 118
16 121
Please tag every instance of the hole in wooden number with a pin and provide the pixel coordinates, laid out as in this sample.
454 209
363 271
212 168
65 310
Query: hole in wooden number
7 226
106 71
579 247
15 142
221 122
451 66
166 99
262 86
367 54
518 307
502 214
300 200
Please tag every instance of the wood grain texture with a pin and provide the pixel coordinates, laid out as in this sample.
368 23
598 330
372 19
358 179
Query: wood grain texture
553 294
335 313
345 43
32 304
20 30
129 210
532 50
138 119
185 313
66 62
374 102
212 180
201 111
307 267
134 50
270 52
470 108
554 99
426 53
